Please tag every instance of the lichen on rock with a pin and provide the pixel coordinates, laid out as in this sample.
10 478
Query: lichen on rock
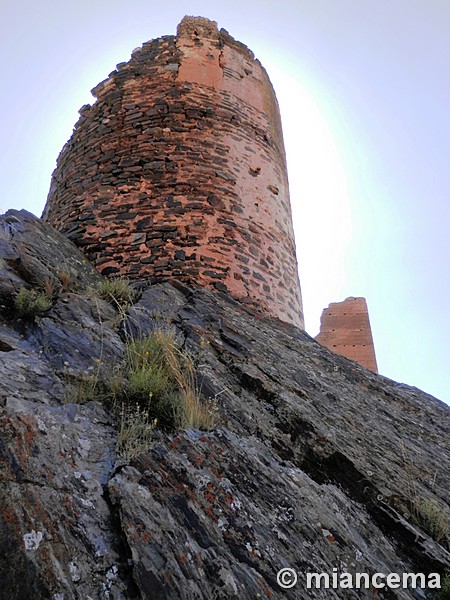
314 462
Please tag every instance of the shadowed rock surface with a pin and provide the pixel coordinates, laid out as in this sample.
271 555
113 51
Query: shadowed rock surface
315 463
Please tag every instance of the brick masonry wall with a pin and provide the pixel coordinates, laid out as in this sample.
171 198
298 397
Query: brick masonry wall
345 329
178 170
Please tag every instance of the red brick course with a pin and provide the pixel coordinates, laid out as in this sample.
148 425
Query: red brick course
345 329
178 171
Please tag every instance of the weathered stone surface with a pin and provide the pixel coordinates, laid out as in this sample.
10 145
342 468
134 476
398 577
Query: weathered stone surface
184 141
57 531
345 329
315 463
37 358
32 254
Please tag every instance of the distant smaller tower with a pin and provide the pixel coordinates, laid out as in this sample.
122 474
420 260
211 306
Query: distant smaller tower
345 329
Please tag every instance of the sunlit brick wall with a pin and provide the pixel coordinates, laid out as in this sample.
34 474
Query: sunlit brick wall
178 171
345 329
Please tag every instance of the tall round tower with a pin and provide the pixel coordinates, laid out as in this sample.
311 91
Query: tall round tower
178 170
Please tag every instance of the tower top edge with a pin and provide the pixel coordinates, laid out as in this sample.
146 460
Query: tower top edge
199 27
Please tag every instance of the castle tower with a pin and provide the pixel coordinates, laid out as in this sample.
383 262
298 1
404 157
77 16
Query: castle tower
178 170
345 329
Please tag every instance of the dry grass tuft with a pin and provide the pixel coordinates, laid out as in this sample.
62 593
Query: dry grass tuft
162 376
135 430
434 520
118 291
155 387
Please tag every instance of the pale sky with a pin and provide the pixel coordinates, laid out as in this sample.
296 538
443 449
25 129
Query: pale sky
364 92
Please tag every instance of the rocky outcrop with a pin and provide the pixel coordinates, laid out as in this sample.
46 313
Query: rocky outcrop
315 463
35 255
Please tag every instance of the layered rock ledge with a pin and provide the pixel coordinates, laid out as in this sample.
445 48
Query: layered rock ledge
315 462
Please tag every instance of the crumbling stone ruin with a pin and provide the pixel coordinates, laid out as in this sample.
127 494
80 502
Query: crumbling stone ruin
345 329
178 170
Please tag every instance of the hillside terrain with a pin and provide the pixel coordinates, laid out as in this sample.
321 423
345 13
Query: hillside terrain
312 462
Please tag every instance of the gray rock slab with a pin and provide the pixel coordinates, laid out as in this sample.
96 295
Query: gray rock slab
315 463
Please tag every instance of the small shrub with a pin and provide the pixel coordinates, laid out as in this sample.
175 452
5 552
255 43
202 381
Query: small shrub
118 291
444 593
154 387
30 303
135 430
161 376
434 520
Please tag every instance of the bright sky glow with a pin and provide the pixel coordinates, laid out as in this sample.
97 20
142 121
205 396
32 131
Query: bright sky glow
319 193
364 94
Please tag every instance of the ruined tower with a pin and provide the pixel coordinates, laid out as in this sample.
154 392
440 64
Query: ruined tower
178 170
345 329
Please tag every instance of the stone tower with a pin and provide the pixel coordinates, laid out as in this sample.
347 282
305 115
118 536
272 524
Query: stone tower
178 170
345 329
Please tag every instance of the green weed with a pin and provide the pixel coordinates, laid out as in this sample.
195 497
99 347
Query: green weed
30 303
154 387
444 593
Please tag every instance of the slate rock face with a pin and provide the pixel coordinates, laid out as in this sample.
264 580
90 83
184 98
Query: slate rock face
315 463
32 253
57 526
